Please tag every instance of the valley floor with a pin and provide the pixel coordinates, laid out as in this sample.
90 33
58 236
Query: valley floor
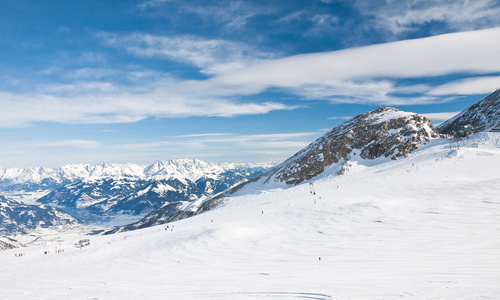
422 227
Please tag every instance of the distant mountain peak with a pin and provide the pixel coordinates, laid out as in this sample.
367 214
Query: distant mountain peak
37 178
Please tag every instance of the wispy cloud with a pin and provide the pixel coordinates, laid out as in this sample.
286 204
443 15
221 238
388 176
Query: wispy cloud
223 146
400 17
468 86
80 87
442 116
339 118
318 23
255 141
78 144
199 135
368 74
212 56
232 14
122 107
91 73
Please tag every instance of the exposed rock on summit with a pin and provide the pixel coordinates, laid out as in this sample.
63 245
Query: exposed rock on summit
483 115
385 132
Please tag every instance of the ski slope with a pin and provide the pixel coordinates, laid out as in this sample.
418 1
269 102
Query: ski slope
422 227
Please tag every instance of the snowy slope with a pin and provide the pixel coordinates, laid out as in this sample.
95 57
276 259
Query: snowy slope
9 243
421 227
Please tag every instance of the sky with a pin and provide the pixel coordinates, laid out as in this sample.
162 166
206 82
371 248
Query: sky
227 81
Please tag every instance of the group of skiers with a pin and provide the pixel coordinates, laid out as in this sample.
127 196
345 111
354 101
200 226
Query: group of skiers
57 251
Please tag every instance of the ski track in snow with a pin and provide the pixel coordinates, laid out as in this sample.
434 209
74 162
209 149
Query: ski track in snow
423 227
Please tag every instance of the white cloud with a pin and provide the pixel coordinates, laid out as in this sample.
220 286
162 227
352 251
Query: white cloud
91 73
278 136
212 56
468 86
80 87
79 144
199 135
257 141
120 107
281 144
360 75
399 17
433 56
340 118
320 24
233 15
229 14
354 75
442 116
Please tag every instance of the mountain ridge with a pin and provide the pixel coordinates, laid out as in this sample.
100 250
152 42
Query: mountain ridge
482 115
385 132
16 217
110 193
34 178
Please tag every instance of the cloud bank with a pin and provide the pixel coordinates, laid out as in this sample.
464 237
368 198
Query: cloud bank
369 74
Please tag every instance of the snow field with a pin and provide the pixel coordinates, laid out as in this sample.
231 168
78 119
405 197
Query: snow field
423 227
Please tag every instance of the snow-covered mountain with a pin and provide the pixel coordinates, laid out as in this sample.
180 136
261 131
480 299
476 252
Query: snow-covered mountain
104 192
483 115
16 217
40 178
425 226
385 132
113 190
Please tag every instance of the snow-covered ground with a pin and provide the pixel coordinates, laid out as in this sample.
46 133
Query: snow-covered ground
422 227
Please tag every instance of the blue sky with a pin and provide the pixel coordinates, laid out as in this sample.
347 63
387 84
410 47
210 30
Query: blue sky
227 81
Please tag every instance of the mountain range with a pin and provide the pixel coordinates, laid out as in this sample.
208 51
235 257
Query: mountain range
383 134
423 226
97 193
41 178
171 190
19 218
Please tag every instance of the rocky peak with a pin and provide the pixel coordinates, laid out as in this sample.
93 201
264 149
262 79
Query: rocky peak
483 115
385 132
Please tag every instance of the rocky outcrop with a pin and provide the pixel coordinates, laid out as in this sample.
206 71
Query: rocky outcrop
483 115
385 132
